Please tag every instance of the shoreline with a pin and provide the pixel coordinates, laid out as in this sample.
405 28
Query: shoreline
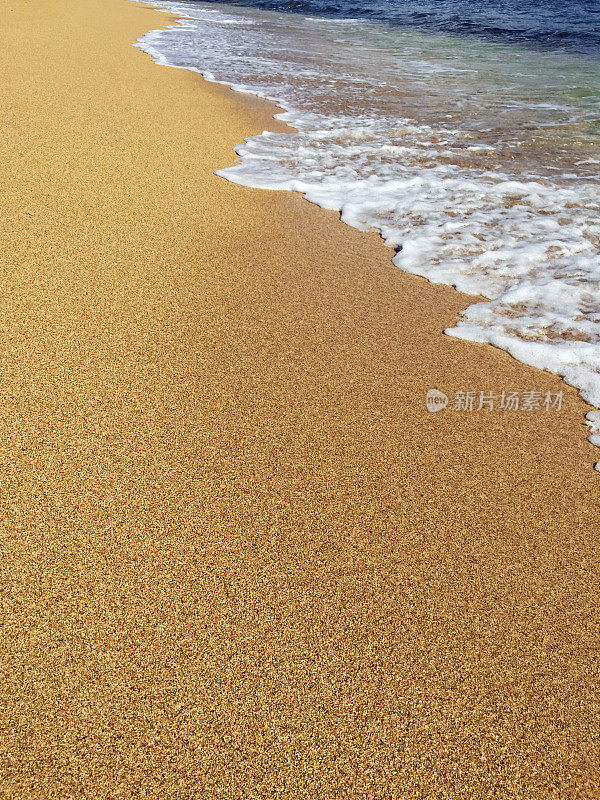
523 349
240 556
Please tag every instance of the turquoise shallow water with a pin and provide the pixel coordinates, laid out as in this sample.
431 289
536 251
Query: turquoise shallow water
477 160
541 24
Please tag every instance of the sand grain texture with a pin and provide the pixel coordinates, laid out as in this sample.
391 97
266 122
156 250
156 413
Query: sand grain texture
239 559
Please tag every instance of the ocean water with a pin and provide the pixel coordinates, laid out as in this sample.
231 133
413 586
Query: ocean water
466 133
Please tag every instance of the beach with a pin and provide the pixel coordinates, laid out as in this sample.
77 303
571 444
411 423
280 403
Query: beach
240 557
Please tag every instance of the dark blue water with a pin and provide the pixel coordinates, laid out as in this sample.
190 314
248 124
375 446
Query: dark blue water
570 25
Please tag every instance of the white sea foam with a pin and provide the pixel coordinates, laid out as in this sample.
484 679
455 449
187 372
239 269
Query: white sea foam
483 191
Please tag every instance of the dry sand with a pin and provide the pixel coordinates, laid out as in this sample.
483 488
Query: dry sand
239 558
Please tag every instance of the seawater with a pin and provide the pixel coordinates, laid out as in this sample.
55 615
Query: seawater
476 158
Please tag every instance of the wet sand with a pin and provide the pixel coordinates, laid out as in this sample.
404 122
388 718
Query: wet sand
239 557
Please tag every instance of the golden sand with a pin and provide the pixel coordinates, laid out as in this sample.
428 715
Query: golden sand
239 557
